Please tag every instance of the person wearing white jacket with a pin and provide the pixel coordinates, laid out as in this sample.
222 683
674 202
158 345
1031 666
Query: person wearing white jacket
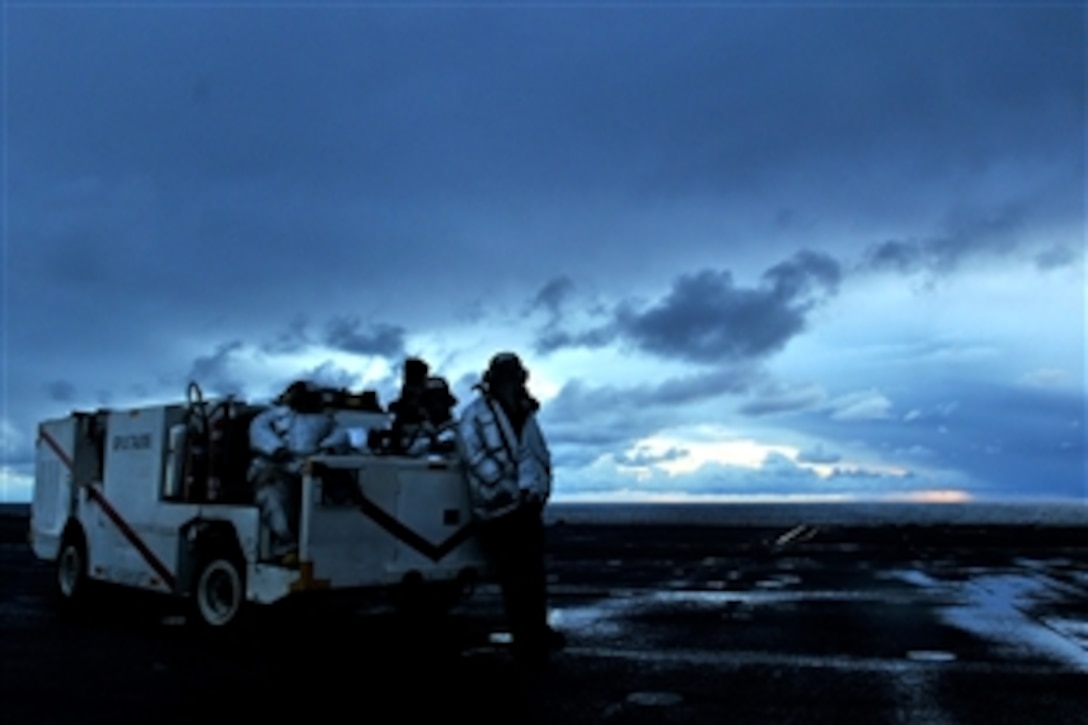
509 472
281 438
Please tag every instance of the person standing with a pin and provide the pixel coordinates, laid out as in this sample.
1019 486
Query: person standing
509 473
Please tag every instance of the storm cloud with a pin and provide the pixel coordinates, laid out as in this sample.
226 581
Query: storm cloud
552 296
346 333
1002 231
708 318
213 372
778 398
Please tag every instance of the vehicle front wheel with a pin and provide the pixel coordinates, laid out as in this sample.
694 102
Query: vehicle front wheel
219 597
71 570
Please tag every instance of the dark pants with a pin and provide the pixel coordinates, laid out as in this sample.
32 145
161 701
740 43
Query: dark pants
515 542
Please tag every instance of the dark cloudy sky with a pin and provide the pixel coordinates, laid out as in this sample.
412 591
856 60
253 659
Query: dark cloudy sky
796 250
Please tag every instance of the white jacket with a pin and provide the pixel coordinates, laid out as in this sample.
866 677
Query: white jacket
300 434
503 471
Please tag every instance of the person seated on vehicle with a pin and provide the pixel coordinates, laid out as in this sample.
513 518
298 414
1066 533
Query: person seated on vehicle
423 422
407 410
439 427
282 437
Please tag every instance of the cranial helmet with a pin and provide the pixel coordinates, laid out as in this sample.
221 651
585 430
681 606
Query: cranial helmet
506 367
437 400
415 371
298 394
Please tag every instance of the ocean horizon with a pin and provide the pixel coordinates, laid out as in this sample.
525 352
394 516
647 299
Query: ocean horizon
826 513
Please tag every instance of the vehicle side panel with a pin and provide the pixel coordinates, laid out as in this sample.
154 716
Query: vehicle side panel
405 518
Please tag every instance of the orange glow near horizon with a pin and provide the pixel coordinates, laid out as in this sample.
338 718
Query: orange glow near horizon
938 496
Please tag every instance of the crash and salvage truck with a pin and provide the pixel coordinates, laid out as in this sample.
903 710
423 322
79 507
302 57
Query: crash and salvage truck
157 498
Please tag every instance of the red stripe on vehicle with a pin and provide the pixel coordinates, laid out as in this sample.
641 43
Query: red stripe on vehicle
52 443
133 538
434 552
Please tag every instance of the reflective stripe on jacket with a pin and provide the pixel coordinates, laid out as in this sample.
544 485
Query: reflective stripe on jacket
499 466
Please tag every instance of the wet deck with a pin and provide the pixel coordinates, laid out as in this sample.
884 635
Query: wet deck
913 624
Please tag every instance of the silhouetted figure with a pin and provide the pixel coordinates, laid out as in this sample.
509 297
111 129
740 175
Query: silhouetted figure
422 416
508 465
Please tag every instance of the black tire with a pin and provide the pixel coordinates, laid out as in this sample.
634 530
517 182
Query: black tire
71 581
219 593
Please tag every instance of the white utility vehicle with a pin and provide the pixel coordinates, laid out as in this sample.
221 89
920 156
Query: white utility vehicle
157 498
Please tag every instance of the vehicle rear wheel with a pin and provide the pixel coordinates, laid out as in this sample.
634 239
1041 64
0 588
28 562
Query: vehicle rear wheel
219 597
